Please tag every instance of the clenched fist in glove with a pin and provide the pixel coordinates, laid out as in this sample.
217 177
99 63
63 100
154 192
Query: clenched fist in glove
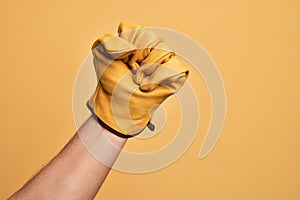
136 72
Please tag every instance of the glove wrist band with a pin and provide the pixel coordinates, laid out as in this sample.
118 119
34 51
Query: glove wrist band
117 133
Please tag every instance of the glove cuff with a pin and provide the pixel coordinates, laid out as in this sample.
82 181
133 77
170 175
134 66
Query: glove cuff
117 133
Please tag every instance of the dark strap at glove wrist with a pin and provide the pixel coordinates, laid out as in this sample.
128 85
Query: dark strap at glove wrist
117 133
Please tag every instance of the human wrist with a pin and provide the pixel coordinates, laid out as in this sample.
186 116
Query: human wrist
99 142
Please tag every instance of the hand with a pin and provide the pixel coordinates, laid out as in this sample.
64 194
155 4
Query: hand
136 72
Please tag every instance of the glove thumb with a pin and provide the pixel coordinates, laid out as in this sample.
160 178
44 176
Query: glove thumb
171 75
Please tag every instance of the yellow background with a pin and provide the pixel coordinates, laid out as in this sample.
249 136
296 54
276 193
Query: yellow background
255 44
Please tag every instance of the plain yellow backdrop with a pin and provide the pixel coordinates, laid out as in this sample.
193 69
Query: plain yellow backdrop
256 46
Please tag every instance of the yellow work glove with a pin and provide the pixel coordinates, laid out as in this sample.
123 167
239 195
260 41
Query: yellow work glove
136 72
